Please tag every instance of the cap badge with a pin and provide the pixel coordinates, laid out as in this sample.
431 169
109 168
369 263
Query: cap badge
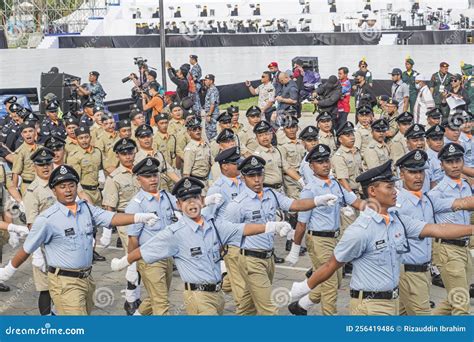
254 162
321 149
124 141
437 129
310 130
416 128
149 162
53 140
417 155
63 170
452 149
187 184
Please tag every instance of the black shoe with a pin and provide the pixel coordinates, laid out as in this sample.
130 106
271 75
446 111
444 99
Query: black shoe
97 257
278 260
174 268
297 310
309 273
471 291
130 308
432 304
288 245
347 268
119 243
437 281
303 251
4 288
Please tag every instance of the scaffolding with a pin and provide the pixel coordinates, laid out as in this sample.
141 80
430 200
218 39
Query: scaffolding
27 20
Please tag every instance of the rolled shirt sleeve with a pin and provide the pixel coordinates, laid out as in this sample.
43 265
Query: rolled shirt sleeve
352 245
161 246
39 235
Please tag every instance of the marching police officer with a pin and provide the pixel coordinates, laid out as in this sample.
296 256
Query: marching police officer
258 204
71 124
326 131
197 154
309 136
323 226
374 244
398 145
52 124
155 276
38 198
433 117
435 142
377 152
247 142
235 124
363 132
105 141
66 229
196 242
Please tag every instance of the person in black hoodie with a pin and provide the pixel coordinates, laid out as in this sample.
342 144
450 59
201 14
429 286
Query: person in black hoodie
179 77
326 97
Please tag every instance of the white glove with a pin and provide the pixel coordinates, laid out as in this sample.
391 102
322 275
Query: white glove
7 272
147 218
347 211
106 237
294 255
119 264
301 181
213 199
20 230
325 200
38 260
132 275
300 289
282 228
21 205
14 240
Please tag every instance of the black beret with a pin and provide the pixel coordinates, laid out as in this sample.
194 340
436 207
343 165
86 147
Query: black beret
62 174
405 117
252 165
54 142
323 116
347 128
27 124
42 155
229 155
143 131
224 117
124 144
225 135
147 166
161 116
71 120
232 109
193 122
124 123
90 103
451 151
262 127
309 133
434 113
253 111
187 187
435 131
319 152
380 125
82 130
414 161
380 173
415 131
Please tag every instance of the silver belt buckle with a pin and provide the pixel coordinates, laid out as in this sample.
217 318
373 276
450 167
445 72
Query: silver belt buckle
336 233
269 254
395 294
218 287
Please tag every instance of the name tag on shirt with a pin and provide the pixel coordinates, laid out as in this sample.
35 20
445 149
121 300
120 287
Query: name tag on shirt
380 244
234 195
256 215
69 232
195 251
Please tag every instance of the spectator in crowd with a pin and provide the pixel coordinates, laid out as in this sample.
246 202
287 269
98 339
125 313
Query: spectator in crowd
362 91
273 68
94 89
327 97
266 94
439 82
178 77
211 106
424 100
408 77
344 103
400 91
363 66
288 97
456 91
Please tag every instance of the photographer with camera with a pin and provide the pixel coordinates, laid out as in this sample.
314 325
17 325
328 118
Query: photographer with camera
179 77
326 97
93 89
152 100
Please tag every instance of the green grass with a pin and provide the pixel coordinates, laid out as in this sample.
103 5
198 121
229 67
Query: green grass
307 107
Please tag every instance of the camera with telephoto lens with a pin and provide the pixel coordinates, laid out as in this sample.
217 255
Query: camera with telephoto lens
69 82
140 62
129 78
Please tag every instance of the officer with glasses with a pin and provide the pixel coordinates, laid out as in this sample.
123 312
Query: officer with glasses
375 244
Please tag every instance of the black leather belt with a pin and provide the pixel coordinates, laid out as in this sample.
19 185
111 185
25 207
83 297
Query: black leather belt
90 187
27 181
273 186
375 295
73 274
203 287
201 178
416 268
459 243
334 234
257 254
121 211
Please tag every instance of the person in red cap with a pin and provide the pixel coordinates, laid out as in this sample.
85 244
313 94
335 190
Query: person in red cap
273 68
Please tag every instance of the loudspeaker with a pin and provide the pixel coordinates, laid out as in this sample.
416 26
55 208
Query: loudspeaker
56 83
310 63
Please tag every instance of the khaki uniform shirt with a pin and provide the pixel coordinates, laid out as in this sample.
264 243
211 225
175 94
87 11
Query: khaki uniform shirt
105 143
347 164
96 132
398 147
376 154
166 144
392 123
87 164
38 198
293 152
328 139
275 165
363 135
70 146
248 140
22 163
119 188
197 159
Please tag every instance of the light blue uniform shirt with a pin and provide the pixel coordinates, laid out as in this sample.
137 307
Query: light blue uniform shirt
195 250
466 142
228 189
324 218
305 171
443 196
248 208
144 202
421 209
372 248
435 171
67 239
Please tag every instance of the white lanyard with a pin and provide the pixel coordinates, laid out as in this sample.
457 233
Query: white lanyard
442 80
